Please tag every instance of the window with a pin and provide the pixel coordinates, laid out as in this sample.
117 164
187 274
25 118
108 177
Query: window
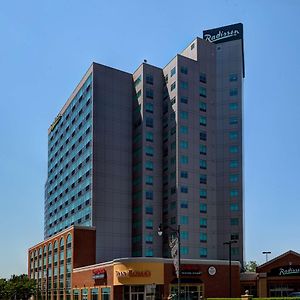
203 178
173 71
149 122
149 180
233 135
173 130
234 236
233 120
184 144
183 70
166 78
203 207
202 91
234 207
184 85
202 106
149 136
173 100
233 164
149 224
192 46
202 164
184 250
184 174
203 223
184 220
184 235
149 195
233 106
233 178
203 149
173 220
203 136
202 77
173 145
149 165
235 251
233 77
234 221
173 86
183 129
184 115
138 80
184 204
233 149
184 99
234 193
149 78
203 237
203 193
184 189
149 107
203 252
149 93
138 94
149 238
233 92
184 159
149 252
202 121
149 210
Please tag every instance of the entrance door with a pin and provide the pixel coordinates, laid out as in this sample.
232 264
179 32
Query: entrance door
138 296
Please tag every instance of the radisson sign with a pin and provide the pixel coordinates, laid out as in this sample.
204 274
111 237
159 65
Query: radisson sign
224 34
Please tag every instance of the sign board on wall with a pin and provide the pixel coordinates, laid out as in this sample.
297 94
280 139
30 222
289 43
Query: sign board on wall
285 271
224 34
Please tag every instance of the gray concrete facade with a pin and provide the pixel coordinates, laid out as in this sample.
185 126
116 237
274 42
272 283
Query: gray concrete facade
166 147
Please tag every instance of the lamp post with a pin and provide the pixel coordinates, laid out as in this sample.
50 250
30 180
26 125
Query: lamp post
229 243
266 253
177 232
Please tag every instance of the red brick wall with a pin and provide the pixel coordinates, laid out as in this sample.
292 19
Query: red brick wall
84 251
214 286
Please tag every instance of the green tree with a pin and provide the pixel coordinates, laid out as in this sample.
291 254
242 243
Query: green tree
2 288
250 266
20 287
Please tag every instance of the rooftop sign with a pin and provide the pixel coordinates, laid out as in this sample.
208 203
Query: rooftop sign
224 34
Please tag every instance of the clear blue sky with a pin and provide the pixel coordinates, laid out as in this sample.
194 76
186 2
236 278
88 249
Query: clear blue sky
46 47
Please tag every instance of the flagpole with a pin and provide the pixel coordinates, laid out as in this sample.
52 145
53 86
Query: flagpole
174 252
179 261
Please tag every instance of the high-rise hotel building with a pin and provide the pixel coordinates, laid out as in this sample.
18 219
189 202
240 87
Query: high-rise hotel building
128 152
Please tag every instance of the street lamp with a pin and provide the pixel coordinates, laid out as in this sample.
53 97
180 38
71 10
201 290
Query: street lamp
177 232
266 253
229 243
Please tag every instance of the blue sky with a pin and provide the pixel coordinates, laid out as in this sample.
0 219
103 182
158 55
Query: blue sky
46 47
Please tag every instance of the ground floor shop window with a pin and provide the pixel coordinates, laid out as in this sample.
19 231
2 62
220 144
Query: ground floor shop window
84 294
94 294
141 292
75 294
105 293
187 292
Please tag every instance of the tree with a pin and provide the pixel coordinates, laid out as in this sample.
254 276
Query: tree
2 288
17 287
250 266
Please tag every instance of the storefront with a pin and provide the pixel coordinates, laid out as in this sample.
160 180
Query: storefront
280 276
153 278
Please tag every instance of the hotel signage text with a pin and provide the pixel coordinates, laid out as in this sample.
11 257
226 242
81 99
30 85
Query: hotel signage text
224 34
99 273
286 271
133 273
